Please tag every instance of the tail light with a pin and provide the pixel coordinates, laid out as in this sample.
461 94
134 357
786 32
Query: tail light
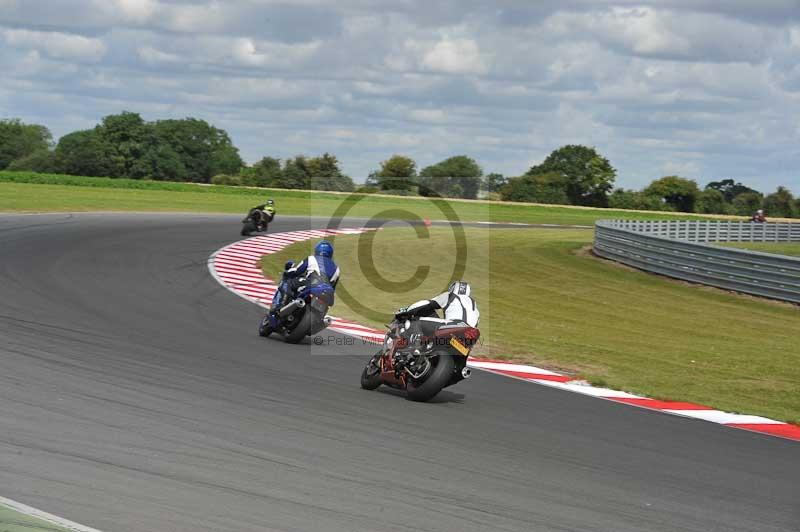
471 334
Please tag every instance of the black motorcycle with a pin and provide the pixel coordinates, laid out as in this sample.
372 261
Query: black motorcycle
257 221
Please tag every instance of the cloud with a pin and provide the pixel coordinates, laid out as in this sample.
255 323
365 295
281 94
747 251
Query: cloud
704 88
57 44
454 56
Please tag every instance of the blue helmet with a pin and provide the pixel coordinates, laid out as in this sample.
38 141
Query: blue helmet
324 249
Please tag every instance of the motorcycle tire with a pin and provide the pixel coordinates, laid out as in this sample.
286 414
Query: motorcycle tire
248 228
301 330
435 381
264 329
370 382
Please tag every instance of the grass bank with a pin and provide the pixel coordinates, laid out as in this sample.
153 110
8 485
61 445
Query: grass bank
13 521
26 191
546 301
791 249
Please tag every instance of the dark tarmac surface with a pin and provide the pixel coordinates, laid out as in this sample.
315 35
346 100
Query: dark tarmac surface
135 395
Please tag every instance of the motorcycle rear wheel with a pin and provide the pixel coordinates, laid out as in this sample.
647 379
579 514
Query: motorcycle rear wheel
436 380
301 330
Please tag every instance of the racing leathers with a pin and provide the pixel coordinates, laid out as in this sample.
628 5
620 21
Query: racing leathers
293 277
457 308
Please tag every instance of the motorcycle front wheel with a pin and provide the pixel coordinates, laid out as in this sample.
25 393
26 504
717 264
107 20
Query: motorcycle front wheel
436 379
370 378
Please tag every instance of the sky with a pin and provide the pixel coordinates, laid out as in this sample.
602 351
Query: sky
704 89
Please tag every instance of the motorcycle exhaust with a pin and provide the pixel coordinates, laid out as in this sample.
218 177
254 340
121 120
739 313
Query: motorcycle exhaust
327 321
466 372
291 307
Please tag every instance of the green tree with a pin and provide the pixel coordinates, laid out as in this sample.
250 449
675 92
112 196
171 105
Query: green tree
494 182
746 203
295 173
43 161
203 149
158 161
86 153
729 188
634 199
18 140
398 172
550 187
324 174
264 173
679 192
589 176
711 201
126 134
780 203
455 177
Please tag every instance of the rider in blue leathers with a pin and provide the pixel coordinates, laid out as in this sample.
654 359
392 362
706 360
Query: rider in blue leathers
321 263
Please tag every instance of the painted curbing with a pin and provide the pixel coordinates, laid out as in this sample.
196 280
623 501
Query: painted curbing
236 267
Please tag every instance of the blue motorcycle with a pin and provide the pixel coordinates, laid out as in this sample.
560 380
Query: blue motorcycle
305 314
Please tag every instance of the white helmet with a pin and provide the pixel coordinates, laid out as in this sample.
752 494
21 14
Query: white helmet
460 288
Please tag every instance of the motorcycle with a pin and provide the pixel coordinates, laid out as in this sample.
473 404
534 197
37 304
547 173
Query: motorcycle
422 366
306 314
255 221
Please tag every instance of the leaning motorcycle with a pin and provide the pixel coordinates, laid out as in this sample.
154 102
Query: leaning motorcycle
306 314
422 366
255 221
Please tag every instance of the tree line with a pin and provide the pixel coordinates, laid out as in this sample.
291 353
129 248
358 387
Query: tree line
190 149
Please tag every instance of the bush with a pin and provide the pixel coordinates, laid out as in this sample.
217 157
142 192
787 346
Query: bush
225 179
540 188
633 199
38 161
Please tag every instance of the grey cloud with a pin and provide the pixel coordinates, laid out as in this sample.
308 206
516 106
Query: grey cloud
707 88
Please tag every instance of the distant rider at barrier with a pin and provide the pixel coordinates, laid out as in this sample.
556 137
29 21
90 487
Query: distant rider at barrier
759 217
320 263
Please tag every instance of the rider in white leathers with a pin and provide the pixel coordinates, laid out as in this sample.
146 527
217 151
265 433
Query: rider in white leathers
457 305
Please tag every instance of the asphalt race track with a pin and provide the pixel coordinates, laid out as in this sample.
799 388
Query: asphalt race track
135 395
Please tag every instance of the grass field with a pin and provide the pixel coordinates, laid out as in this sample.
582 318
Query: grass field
544 299
781 248
36 193
13 521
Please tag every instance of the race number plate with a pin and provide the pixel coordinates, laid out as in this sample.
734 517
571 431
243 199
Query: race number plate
461 348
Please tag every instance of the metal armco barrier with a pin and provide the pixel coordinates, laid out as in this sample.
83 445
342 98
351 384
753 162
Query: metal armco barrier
675 248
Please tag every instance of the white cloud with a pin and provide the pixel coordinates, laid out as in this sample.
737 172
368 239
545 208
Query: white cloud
710 89
455 56
137 10
57 44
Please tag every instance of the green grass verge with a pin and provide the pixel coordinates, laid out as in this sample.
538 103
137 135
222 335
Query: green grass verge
26 191
14 521
791 249
547 301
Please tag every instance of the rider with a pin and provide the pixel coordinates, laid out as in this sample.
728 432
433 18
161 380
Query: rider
320 263
265 211
759 217
457 306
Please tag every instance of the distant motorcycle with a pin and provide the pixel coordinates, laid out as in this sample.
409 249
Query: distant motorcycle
422 366
257 220
306 314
